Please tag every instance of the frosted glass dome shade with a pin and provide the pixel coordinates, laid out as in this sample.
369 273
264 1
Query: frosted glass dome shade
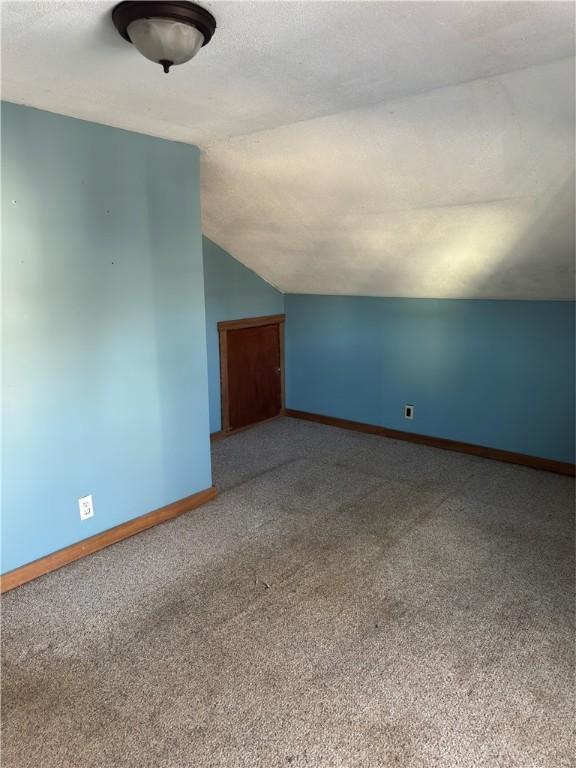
165 41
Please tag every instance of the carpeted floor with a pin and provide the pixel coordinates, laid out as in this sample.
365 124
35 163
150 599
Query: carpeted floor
347 601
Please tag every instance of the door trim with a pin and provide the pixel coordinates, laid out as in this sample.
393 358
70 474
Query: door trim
233 325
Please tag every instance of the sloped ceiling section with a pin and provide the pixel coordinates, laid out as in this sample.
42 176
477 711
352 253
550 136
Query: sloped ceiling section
371 148
466 191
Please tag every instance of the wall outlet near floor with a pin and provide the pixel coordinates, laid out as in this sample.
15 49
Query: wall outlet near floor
86 506
408 411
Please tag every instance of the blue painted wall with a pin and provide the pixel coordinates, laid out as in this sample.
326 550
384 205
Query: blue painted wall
494 373
104 343
232 292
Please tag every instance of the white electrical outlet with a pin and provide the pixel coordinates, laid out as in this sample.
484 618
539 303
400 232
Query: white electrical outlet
408 411
86 506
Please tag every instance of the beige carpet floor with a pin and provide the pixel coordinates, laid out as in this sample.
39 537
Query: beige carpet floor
347 601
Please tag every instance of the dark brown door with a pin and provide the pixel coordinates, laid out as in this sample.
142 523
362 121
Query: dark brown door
254 374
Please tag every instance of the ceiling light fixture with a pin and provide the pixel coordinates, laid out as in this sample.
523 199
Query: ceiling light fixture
168 32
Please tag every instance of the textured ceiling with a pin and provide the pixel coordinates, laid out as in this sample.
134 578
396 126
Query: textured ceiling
380 148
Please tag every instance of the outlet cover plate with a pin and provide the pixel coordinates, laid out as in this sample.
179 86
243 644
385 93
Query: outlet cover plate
86 506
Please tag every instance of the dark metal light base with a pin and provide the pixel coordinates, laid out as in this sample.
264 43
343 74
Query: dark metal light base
178 10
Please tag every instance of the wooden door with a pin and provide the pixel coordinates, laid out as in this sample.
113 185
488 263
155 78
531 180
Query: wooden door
252 370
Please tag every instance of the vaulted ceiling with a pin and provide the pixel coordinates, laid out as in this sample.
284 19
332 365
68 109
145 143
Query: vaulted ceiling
372 148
